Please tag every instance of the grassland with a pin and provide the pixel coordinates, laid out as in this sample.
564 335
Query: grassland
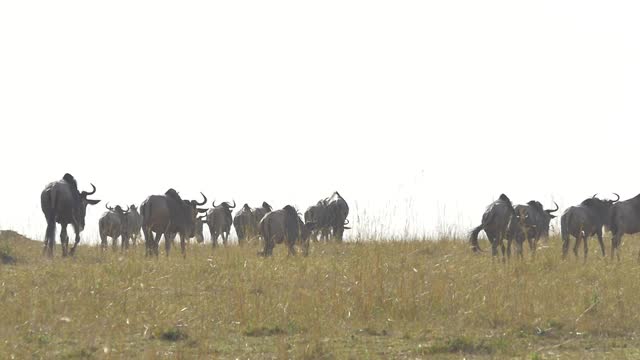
374 300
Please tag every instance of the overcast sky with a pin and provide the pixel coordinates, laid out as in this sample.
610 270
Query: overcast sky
419 112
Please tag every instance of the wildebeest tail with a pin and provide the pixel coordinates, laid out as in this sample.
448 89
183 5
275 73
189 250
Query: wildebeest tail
473 238
564 226
613 225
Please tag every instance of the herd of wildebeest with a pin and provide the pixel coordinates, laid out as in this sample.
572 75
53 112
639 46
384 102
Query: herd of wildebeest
530 222
169 215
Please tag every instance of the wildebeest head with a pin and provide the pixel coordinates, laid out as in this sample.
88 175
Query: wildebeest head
266 206
80 208
601 206
225 205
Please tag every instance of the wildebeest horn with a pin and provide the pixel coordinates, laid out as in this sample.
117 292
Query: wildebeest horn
203 202
214 203
617 198
234 205
92 192
594 196
557 208
108 207
346 222
127 211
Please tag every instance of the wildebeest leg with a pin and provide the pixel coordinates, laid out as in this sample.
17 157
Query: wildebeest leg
577 244
214 236
156 243
167 243
75 243
114 243
600 240
64 240
183 244
49 237
586 247
291 245
509 241
148 241
615 243
225 235
565 246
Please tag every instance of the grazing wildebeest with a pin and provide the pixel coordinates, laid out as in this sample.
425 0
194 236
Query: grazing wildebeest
583 221
318 214
134 224
62 203
625 219
168 214
219 221
531 222
246 221
495 223
113 224
285 225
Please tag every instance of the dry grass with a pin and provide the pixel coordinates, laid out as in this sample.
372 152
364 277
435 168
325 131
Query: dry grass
368 300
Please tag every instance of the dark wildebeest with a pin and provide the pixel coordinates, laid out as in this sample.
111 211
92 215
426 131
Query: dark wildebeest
219 221
331 213
625 219
318 214
134 224
531 222
583 221
113 224
246 221
495 223
62 203
168 214
285 225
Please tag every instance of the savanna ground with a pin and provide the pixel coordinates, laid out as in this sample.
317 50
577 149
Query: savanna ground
371 300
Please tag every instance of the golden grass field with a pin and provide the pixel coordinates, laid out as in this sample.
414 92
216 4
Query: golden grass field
371 300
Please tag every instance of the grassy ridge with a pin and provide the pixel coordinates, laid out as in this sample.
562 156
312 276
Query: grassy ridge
369 300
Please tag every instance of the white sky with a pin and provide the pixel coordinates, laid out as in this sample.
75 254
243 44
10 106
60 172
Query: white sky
420 112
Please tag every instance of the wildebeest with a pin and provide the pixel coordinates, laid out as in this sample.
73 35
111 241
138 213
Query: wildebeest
113 224
246 221
625 219
495 223
583 221
219 221
134 224
317 214
285 225
168 214
531 222
62 203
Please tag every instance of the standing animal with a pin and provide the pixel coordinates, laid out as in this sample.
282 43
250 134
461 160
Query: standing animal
495 223
330 213
246 221
531 222
318 214
286 226
62 203
113 224
134 224
168 214
625 219
583 221
219 221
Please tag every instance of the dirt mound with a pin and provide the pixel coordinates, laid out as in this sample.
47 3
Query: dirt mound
12 236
